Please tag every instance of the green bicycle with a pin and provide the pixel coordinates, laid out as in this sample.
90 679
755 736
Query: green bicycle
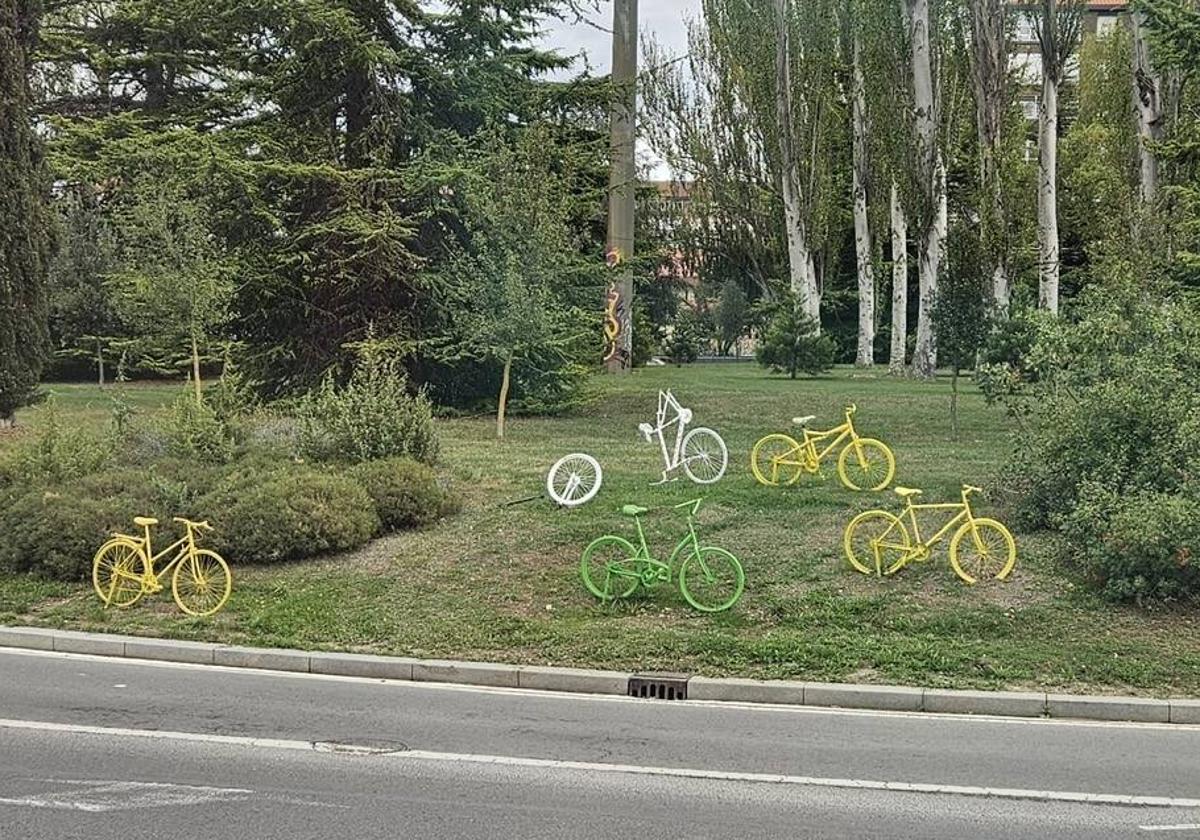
710 578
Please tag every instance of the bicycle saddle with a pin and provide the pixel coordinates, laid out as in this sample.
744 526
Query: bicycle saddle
907 491
804 421
633 510
144 521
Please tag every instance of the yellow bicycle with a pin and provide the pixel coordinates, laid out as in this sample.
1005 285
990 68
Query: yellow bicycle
123 570
864 464
877 542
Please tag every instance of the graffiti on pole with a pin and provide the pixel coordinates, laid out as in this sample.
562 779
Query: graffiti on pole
615 340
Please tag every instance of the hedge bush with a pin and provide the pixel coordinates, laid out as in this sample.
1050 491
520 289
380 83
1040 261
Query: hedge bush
406 494
56 534
287 513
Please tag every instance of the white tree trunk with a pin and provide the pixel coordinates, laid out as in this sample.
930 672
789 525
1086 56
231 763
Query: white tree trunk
930 260
1048 196
933 178
899 347
1147 100
989 56
803 278
862 228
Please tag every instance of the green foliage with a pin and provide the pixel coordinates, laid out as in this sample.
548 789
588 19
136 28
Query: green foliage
1110 428
372 416
790 342
57 533
1138 545
288 512
682 345
731 314
407 494
194 430
59 452
961 310
23 219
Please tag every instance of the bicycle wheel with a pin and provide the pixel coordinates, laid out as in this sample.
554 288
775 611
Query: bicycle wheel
990 553
118 571
201 583
711 579
776 459
866 464
574 479
704 456
603 561
876 543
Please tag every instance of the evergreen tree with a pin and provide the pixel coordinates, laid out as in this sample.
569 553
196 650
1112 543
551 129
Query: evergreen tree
23 219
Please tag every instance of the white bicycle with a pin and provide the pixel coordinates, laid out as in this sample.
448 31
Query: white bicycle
700 452
574 479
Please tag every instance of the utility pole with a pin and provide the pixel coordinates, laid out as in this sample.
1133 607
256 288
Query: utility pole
622 187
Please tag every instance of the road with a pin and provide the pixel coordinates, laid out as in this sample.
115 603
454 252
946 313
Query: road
100 748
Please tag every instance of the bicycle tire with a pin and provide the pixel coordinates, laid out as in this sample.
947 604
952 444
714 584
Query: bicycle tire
195 572
119 572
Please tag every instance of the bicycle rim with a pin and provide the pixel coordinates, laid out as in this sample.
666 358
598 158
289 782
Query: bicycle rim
776 459
608 568
981 550
711 579
574 480
201 583
876 543
704 456
118 572
866 464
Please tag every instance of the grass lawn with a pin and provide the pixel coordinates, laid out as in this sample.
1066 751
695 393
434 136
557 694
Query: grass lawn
502 583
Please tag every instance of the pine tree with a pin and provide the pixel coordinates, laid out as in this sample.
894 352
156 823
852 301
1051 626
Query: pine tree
23 240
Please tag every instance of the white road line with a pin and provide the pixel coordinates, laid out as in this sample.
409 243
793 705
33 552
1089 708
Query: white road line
632 769
1181 827
98 797
615 698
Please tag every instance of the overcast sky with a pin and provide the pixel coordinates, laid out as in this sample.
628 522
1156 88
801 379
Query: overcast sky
664 18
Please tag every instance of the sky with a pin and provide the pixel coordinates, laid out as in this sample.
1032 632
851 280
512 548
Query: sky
665 19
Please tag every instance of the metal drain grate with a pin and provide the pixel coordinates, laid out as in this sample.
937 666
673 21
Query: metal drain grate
657 686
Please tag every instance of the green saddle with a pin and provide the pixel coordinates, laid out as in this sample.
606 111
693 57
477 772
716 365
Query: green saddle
633 510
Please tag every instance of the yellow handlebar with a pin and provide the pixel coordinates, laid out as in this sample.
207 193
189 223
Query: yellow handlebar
967 488
850 409
203 526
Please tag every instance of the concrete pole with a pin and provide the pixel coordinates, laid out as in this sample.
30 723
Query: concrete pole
622 186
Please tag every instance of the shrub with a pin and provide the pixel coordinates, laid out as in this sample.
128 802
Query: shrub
406 494
683 344
193 430
59 453
1138 546
790 342
1109 449
57 533
371 416
287 512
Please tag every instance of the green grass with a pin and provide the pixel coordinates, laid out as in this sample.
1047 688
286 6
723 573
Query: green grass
502 583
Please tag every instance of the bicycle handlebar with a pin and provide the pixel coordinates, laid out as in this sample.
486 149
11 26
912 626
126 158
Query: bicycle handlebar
694 504
968 488
201 526
850 409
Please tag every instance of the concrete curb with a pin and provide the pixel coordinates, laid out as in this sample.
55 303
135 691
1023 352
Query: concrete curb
781 692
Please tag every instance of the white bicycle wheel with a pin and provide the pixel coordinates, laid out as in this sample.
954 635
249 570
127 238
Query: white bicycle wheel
574 479
704 456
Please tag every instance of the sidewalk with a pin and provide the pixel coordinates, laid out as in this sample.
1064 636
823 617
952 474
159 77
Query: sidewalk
672 686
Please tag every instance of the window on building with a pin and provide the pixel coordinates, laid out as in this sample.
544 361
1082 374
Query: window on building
1105 24
1027 28
1029 107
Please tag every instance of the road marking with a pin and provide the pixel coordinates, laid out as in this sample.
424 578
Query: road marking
629 769
98 797
1191 827
617 698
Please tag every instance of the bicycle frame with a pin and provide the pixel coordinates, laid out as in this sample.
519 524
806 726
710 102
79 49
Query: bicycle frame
964 514
838 433
670 456
185 546
662 571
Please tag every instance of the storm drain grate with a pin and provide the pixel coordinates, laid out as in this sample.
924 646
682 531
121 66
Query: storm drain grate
659 686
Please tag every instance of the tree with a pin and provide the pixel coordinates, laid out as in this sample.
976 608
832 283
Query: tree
173 284
932 172
731 315
790 343
520 268
962 311
83 318
1148 105
1058 33
863 249
989 55
23 219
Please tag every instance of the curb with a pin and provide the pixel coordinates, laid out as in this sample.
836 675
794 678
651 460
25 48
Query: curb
541 678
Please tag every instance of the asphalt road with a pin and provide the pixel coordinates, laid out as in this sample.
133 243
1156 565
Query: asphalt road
99 748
